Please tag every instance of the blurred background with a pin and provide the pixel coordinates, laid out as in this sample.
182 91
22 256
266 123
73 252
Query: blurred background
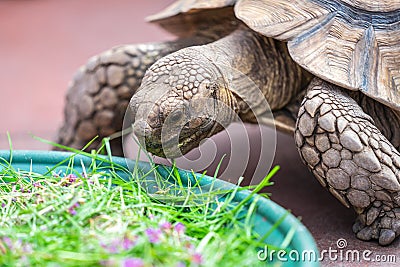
43 42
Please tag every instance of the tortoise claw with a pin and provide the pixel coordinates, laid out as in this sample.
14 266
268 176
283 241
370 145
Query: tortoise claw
385 229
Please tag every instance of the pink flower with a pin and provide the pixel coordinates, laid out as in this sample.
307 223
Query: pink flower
128 243
179 228
133 262
153 235
72 212
113 247
72 209
197 258
165 226
8 242
72 177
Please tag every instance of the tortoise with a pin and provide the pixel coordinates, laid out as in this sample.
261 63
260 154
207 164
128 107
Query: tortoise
329 70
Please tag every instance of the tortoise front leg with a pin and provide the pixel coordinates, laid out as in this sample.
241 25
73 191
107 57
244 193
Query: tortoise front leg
99 94
352 158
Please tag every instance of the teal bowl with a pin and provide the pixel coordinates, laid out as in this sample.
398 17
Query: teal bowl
301 249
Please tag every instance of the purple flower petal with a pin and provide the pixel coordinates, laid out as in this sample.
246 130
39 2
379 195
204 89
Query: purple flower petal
165 226
180 264
153 235
72 212
133 262
114 247
197 258
108 262
8 242
128 243
179 228
72 209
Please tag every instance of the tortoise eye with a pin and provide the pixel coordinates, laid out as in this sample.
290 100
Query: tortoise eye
212 86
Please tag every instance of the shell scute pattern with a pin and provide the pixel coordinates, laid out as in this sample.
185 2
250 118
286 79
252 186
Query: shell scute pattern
353 44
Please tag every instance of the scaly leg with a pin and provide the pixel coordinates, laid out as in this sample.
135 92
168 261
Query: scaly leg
352 149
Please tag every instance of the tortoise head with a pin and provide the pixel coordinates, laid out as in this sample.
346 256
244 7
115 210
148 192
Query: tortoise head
182 100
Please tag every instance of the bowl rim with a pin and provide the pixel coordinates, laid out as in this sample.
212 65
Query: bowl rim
302 239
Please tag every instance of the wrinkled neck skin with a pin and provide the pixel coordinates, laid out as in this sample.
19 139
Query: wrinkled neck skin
197 91
257 70
387 120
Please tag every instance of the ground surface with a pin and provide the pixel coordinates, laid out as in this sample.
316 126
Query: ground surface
43 42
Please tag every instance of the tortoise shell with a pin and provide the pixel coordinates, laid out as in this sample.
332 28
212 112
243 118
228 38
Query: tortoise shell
351 43
187 17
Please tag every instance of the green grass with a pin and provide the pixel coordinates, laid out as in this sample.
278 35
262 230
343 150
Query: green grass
96 218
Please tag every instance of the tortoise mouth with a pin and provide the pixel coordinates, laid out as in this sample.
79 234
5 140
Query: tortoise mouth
176 143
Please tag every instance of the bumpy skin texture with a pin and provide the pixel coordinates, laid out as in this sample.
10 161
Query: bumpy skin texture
100 92
176 86
341 144
170 94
